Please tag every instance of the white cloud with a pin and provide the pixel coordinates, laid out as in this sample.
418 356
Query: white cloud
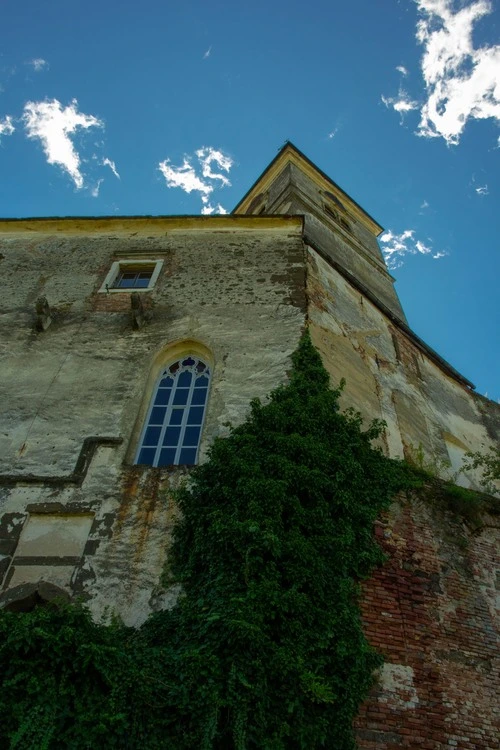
482 190
207 53
208 155
401 104
95 190
401 69
188 179
333 133
424 249
38 64
184 177
462 82
6 126
208 209
396 246
424 205
109 163
53 124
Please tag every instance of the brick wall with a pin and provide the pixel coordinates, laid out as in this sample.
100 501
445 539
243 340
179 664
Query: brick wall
431 612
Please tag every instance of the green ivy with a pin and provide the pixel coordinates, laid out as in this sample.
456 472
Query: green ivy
265 647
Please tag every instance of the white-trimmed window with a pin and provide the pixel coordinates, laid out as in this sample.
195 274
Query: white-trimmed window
172 431
132 276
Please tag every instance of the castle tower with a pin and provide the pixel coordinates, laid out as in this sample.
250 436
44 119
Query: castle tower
334 224
128 344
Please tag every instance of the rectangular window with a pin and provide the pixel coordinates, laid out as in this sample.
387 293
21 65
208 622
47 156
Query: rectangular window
131 276
134 278
49 547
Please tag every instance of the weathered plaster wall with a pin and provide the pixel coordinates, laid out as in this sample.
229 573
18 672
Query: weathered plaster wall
432 611
388 377
238 293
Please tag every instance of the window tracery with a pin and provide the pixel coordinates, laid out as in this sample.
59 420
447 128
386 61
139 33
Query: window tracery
172 431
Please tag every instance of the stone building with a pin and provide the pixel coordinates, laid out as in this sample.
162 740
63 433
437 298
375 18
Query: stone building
128 344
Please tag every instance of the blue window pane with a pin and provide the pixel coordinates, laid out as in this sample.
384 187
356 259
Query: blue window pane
199 396
146 456
180 396
167 383
152 436
189 362
157 415
141 283
172 436
176 416
167 456
125 280
185 379
188 456
201 382
191 436
162 396
196 415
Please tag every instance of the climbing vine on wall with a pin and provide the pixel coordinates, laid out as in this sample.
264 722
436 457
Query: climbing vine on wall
265 647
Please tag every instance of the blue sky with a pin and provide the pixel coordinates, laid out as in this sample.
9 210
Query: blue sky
121 108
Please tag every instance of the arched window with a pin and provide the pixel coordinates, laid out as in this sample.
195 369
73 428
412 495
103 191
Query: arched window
175 418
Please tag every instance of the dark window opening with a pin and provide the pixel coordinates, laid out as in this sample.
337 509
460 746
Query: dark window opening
331 213
133 278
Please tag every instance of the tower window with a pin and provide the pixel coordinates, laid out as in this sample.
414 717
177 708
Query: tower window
330 212
172 432
334 199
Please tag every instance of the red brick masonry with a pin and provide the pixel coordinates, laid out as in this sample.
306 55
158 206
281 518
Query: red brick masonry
432 611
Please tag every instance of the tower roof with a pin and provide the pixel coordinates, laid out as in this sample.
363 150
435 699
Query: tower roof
290 154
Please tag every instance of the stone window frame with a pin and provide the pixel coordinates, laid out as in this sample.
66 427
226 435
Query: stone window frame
178 446
169 353
120 266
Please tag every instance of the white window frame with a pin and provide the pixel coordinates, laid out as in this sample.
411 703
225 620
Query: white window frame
119 266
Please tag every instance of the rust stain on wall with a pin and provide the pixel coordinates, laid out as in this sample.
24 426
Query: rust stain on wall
146 509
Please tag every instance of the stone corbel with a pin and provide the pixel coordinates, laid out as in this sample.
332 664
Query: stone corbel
139 314
43 315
